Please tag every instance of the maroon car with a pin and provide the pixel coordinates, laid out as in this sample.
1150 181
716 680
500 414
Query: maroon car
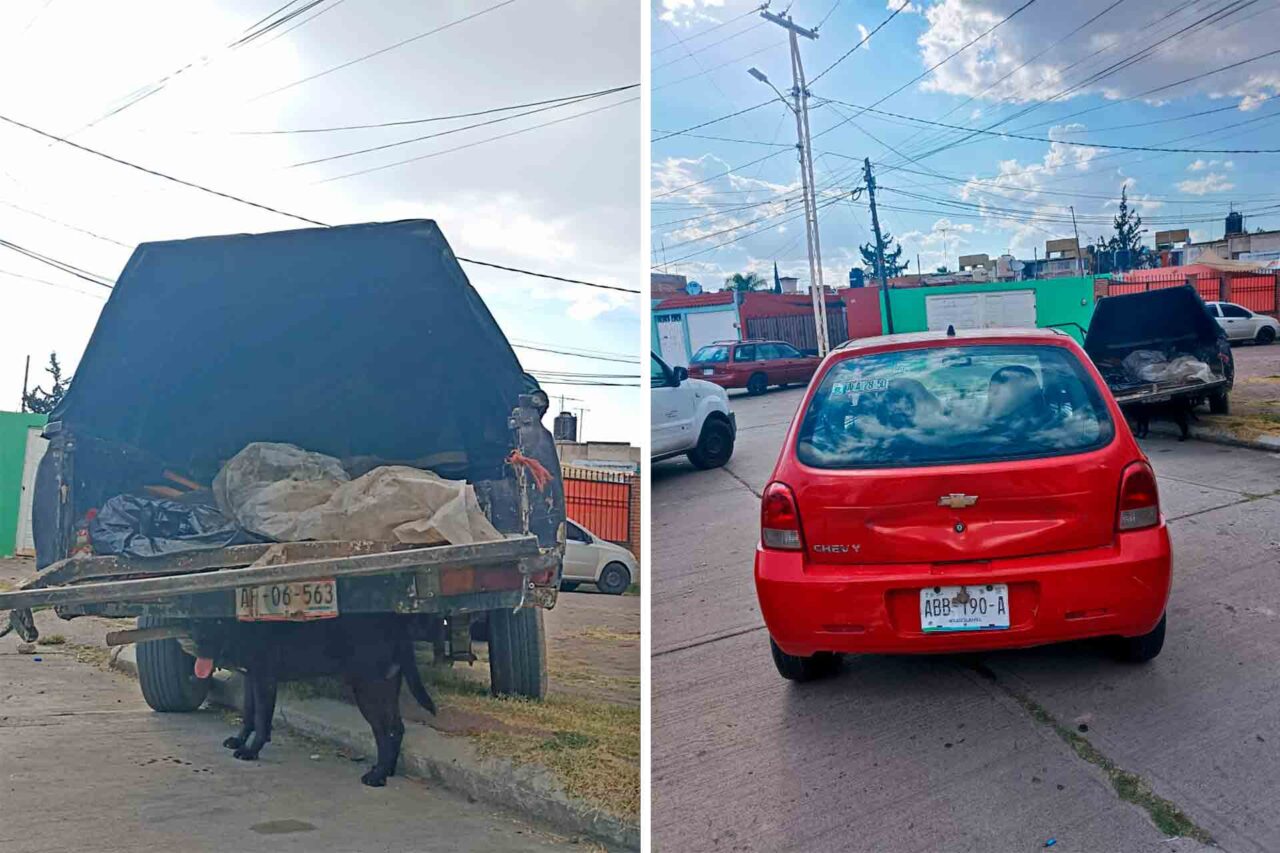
754 365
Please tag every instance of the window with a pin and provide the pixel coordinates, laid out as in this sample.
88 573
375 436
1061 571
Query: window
1229 310
711 355
771 352
576 533
745 353
657 372
788 351
1212 308
952 405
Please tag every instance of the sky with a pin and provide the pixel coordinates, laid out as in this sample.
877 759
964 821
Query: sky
1073 76
563 199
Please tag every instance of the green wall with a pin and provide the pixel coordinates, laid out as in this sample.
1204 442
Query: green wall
1058 300
13 451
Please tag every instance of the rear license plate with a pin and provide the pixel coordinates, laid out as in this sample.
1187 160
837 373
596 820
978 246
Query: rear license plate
978 607
708 371
287 602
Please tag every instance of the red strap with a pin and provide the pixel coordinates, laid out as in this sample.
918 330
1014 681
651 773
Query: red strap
541 476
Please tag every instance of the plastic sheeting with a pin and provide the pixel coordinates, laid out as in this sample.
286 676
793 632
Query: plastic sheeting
1154 366
134 526
289 494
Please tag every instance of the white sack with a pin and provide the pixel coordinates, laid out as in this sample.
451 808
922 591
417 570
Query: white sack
266 485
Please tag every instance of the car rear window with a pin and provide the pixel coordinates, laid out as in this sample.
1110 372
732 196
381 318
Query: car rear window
710 355
941 405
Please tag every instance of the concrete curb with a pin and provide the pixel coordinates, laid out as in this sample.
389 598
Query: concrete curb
1265 443
451 762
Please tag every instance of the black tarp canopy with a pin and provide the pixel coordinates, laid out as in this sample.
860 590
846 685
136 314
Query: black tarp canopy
357 340
1156 319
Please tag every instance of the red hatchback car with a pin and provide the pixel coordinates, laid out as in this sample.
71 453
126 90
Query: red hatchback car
959 492
754 365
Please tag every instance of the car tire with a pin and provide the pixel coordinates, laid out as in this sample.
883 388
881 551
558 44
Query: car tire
1142 648
1266 335
568 586
166 673
757 384
1220 403
715 445
614 579
517 653
795 668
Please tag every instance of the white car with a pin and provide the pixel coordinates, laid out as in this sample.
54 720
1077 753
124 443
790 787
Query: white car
1241 324
590 559
688 417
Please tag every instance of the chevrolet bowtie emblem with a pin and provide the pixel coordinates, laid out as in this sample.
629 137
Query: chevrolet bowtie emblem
955 500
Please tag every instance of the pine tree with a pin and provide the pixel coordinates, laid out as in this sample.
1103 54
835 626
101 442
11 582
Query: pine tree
1125 246
893 264
41 402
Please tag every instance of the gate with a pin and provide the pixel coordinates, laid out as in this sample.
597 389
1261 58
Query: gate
599 501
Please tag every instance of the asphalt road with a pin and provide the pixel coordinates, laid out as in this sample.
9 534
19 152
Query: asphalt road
85 765
962 753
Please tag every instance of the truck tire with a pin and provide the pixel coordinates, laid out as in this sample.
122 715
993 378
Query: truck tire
167 674
757 384
1220 403
715 445
517 653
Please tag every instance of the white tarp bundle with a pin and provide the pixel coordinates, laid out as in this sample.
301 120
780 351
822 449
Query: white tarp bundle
1154 366
290 494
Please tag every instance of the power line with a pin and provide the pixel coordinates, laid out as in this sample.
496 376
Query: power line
93 278
672 133
413 121
65 224
706 47
381 51
454 130
575 354
546 275
475 143
705 32
865 39
49 283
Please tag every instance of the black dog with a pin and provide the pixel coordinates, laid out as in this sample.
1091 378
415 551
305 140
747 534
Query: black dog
373 653
1177 410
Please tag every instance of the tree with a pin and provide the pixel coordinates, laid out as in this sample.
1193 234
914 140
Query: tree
43 402
745 283
893 263
1124 248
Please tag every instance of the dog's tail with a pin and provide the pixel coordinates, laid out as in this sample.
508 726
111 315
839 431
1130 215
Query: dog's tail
409 666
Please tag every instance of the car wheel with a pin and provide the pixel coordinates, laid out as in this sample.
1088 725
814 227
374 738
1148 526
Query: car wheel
1142 648
166 673
614 579
794 668
715 445
1220 403
1266 335
568 586
757 384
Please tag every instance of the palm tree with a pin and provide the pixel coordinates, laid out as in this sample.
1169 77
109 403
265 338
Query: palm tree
744 283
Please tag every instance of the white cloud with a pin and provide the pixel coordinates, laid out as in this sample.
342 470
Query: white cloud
863 33
1202 165
1213 182
684 13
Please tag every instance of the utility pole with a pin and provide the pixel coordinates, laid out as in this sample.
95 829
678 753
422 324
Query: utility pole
26 372
875 227
800 106
1077 230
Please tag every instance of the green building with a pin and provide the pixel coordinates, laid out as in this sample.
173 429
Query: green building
1065 303
20 450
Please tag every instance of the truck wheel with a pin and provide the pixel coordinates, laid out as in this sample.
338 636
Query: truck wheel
1142 648
757 384
167 674
517 653
795 668
614 579
1220 403
715 445
1266 335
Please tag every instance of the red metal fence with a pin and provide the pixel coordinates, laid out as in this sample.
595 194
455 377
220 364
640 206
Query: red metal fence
800 330
1258 292
600 501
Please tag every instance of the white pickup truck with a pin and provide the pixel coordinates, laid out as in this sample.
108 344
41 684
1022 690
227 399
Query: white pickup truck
689 417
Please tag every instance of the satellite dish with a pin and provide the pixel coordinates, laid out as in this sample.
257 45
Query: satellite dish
693 288
1016 265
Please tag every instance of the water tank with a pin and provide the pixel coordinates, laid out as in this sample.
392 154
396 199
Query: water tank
855 277
565 427
1235 223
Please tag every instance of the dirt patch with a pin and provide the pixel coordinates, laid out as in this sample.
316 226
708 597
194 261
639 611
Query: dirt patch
607 635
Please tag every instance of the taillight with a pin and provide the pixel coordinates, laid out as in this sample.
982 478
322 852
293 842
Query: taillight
1139 500
780 519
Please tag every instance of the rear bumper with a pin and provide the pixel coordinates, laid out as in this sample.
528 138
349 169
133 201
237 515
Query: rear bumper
1117 590
724 380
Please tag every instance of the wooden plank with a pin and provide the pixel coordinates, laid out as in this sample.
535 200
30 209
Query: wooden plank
150 589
